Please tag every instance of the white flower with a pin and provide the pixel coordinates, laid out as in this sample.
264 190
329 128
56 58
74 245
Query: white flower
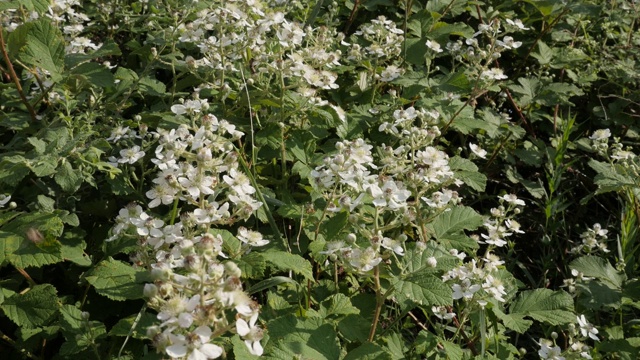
464 290
251 334
480 152
391 73
239 182
365 260
251 237
493 74
600 134
433 45
508 43
130 156
4 199
442 313
548 352
517 23
587 329
512 199
393 244
197 346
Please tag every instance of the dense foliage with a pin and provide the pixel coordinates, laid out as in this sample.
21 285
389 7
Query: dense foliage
368 179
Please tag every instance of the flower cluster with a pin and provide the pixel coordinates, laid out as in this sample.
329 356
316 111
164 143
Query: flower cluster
501 224
593 239
197 292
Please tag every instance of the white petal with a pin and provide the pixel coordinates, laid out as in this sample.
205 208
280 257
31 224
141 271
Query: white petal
176 351
242 327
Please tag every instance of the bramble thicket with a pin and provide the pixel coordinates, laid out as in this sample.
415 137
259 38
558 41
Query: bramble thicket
368 179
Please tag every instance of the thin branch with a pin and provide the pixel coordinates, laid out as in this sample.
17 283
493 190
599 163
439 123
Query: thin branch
15 78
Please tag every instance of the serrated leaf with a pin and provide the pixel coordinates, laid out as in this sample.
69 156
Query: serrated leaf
35 307
252 265
309 338
152 87
270 282
124 326
38 144
528 90
117 280
354 328
332 227
601 269
424 290
44 48
544 54
454 221
416 261
109 48
515 322
289 262
453 350
73 246
23 252
94 74
47 223
551 307
368 351
68 178
338 304
230 244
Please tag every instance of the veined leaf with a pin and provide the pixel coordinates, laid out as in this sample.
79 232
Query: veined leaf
44 48
289 262
601 269
34 308
424 290
454 221
368 351
117 280
310 338
551 307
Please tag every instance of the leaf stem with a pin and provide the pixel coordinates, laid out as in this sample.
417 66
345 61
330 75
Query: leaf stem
14 77
379 302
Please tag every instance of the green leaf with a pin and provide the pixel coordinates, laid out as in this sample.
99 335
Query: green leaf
35 307
368 351
252 265
453 350
599 268
416 261
94 74
354 328
338 304
24 252
44 48
310 338
152 86
124 326
285 261
458 219
47 223
38 144
270 282
552 307
109 48
515 322
544 55
73 246
423 289
467 171
68 178
117 280
230 244
528 90
332 227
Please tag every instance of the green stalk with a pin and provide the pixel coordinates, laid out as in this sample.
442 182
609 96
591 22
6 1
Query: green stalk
272 221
